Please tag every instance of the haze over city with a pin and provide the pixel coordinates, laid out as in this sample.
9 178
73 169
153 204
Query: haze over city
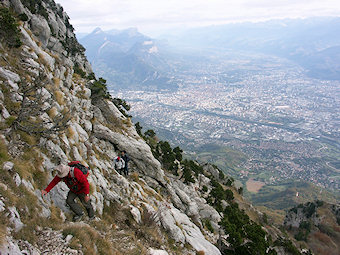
154 17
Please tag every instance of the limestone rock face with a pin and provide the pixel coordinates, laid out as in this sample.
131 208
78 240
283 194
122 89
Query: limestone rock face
9 75
189 200
138 150
40 28
10 246
183 230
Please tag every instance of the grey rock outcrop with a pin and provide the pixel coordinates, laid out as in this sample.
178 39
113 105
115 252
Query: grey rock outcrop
138 150
183 230
40 28
14 218
10 246
8 166
152 251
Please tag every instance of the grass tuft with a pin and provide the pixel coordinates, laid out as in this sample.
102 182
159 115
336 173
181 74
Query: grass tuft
71 132
59 97
52 112
90 240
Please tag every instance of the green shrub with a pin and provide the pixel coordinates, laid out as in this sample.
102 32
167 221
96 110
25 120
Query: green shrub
221 175
305 225
10 120
9 31
178 153
99 89
36 7
122 106
287 245
309 209
193 166
229 181
91 76
265 218
23 17
245 236
79 71
187 176
150 133
301 236
208 225
138 128
229 195
72 46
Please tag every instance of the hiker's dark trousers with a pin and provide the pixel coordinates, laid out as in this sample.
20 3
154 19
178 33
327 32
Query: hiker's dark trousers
75 206
126 171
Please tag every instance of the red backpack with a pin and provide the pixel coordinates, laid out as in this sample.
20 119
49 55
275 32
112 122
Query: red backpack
82 168
72 182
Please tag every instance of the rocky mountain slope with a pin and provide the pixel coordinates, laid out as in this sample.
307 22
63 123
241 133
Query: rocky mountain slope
54 110
315 224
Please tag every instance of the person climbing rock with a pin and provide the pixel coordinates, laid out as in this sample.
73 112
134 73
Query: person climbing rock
79 187
126 159
119 164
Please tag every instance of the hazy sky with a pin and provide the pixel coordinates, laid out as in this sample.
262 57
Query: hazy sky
153 16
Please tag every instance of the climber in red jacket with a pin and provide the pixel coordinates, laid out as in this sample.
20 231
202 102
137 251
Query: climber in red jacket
79 187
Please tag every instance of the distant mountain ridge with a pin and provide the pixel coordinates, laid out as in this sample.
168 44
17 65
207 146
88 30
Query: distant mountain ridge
127 59
313 43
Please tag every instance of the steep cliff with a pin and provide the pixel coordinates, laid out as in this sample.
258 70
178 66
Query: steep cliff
54 110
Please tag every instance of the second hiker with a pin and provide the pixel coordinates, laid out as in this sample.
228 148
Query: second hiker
119 164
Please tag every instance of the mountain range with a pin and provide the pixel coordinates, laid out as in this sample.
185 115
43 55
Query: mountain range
313 42
127 59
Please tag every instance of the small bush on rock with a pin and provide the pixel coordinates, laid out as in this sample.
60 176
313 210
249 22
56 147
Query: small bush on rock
9 32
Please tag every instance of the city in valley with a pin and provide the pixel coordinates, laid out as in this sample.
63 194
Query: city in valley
278 123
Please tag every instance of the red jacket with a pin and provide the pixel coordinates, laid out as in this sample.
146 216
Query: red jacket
78 185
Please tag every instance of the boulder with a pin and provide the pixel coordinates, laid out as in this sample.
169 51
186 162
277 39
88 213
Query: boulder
208 212
9 246
17 6
181 229
9 75
58 195
135 214
40 28
2 206
152 251
82 134
17 179
169 223
55 150
8 166
14 218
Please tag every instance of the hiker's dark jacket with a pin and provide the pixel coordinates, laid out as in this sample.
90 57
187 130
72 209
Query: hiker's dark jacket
78 185
126 160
